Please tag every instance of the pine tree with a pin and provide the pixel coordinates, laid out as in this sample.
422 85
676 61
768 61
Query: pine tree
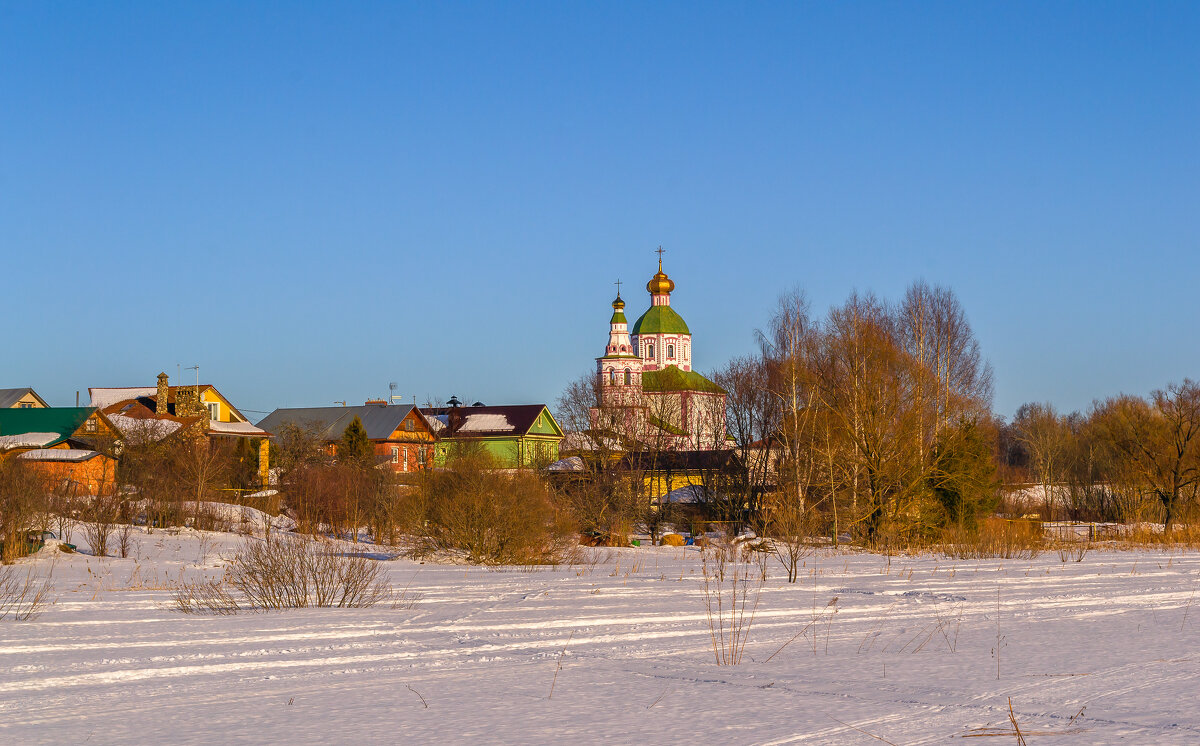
355 448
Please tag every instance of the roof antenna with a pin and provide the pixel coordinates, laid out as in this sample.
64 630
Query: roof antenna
196 368
392 396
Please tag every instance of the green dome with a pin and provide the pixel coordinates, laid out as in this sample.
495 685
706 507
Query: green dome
660 320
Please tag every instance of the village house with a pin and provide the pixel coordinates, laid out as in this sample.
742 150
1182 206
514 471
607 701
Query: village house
25 398
403 439
514 436
72 445
156 412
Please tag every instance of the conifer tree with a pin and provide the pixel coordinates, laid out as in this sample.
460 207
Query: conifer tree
355 448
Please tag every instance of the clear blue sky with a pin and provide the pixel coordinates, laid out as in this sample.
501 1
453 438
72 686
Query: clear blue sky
311 201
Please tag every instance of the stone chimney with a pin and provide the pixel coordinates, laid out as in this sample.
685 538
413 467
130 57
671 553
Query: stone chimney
455 417
160 404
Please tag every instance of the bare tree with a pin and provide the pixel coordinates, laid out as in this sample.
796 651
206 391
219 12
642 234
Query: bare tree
1157 442
1045 435
23 498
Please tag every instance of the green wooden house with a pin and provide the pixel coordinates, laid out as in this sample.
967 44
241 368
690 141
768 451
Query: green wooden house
519 436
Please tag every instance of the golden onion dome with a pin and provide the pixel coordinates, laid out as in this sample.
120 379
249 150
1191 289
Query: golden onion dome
660 284
618 304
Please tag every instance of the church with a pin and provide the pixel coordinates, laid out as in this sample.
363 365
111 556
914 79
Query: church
648 390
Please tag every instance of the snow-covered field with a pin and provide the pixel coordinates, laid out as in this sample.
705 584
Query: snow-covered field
1100 651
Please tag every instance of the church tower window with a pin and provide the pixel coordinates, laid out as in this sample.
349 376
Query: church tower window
650 351
612 376
670 352
628 377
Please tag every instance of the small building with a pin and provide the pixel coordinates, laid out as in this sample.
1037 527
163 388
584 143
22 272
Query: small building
515 436
25 398
81 471
70 444
402 437
156 412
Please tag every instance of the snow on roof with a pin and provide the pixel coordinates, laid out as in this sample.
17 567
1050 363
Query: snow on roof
437 422
102 398
57 454
571 463
692 493
27 440
486 423
148 426
234 428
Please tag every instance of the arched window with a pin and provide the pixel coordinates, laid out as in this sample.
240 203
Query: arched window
650 351
670 352
685 351
628 377
612 376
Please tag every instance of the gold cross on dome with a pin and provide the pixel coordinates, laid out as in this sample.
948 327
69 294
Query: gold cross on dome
618 284
660 251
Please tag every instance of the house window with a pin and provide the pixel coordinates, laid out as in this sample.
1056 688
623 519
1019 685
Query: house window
409 425
214 410
405 461
395 455
90 425
26 405
628 377
670 352
420 456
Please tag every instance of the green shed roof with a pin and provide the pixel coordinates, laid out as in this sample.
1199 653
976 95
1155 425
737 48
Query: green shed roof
672 378
660 320
60 420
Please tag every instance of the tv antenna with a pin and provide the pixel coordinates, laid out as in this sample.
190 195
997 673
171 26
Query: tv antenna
196 368
392 392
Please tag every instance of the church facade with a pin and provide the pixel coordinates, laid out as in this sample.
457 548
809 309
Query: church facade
647 387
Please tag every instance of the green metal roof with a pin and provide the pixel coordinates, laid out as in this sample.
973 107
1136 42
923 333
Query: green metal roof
618 317
672 378
660 320
61 420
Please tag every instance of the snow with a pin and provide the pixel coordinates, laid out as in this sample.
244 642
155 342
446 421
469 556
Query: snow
57 454
690 493
151 427
102 398
27 440
570 463
234 428
486 423
908 656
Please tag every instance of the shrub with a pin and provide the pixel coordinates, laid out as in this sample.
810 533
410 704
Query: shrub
22 599
731 591
994 538
287 572
491 516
